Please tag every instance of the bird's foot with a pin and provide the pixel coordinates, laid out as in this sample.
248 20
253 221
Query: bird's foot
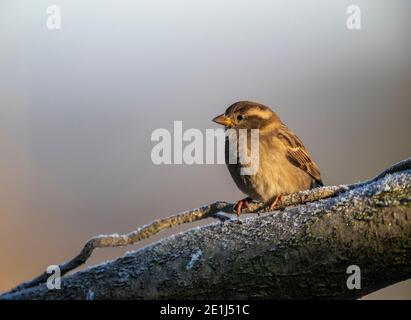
277 201
240 205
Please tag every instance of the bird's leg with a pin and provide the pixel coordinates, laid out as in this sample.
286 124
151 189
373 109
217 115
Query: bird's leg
278 200
241 204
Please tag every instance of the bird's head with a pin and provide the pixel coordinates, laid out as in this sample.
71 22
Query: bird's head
248 115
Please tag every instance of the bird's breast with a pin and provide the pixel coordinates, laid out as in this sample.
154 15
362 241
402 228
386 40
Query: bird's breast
275 174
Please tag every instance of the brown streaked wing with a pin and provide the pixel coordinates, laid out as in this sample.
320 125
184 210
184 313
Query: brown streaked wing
297 154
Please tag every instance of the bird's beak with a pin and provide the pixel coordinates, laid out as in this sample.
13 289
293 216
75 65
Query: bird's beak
222 119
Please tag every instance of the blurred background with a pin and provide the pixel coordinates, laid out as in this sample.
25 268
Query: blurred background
78 106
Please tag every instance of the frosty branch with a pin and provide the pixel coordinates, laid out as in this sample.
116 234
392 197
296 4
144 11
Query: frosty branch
353 225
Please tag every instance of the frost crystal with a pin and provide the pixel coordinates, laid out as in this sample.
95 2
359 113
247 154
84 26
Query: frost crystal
193 259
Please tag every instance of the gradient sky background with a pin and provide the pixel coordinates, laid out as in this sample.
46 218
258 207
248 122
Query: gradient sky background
78 106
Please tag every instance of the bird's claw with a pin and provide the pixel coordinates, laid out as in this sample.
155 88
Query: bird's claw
239 206
277 201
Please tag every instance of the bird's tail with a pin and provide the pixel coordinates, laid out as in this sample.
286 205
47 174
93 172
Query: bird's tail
317 183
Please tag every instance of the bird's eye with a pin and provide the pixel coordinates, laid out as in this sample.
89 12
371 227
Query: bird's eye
240 117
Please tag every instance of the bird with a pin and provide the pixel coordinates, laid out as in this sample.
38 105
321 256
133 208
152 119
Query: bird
284 167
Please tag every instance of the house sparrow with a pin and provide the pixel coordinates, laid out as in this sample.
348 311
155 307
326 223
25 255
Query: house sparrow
284 164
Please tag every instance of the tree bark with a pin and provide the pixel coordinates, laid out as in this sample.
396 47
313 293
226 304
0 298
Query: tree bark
301 252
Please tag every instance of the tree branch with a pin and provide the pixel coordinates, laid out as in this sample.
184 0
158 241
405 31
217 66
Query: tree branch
301 252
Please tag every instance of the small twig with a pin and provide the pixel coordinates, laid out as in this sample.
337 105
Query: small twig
115 240
212 210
